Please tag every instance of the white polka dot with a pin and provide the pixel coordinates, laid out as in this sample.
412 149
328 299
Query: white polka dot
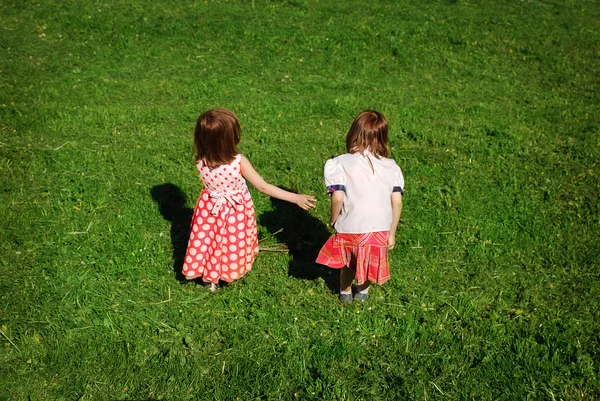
195 228
211 234
204 213
190 273
197 243
219 223
225 268
240 226
213 260
240 216
211 220
195 265
201 204
192 251
207 240
233 256
234 266
203 248
242 243
225 277
232 238
199 220
199 257
242 252
218 238
232 248
206 227
225 259
218 253
231 220
188 259
205 196
214 274
201 234
231 229
241 235
234 275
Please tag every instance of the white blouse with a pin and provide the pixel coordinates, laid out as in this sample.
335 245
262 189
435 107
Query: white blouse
367 193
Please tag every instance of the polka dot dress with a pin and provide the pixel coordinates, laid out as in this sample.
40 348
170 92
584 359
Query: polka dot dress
223 239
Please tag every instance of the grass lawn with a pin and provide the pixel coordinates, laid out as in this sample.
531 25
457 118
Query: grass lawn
494 111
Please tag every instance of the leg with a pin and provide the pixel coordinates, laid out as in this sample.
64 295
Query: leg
362 291
346 278
364 286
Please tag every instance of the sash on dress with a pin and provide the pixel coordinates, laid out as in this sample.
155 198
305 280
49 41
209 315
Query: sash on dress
219 198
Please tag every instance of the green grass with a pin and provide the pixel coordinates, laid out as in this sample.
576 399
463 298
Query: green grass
494 115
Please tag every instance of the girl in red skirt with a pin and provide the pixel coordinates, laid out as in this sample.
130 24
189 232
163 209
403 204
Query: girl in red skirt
366 189
223 239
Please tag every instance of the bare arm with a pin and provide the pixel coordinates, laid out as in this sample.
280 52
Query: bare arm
337 201
396 212
306 202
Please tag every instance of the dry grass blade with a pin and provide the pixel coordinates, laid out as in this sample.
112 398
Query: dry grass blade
270 236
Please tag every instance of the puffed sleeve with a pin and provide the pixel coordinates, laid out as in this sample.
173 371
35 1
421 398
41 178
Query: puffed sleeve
398 180
334 176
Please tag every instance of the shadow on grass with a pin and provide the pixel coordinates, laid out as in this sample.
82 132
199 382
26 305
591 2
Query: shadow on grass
171 204
304 236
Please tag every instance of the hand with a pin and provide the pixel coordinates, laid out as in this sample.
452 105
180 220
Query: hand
304 201
391 241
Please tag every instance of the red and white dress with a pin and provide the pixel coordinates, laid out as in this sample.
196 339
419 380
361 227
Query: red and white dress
223 240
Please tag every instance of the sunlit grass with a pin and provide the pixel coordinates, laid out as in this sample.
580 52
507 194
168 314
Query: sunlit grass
493 110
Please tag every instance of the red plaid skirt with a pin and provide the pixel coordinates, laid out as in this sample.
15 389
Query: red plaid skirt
367 253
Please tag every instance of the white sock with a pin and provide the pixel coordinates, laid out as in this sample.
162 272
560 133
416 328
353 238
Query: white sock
365 291
348 292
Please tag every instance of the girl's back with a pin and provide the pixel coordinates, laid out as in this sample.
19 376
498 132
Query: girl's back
368 183
223 179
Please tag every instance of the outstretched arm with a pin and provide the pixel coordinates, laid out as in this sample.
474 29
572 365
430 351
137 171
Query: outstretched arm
306 202
337 201
396 212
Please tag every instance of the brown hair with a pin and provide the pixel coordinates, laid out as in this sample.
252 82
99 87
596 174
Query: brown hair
217 133
369 131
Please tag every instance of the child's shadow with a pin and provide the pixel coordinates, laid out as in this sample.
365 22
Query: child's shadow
171 204
304 236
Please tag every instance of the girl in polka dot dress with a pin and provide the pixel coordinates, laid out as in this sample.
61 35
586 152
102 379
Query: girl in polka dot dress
223 239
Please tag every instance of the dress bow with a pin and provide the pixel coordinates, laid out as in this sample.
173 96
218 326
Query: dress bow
220 199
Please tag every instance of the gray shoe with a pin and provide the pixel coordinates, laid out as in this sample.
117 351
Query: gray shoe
361 297
346 298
